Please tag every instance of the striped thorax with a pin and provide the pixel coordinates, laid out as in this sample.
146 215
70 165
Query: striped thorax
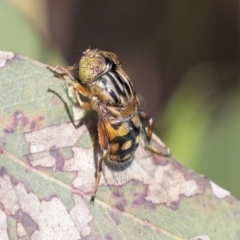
102 72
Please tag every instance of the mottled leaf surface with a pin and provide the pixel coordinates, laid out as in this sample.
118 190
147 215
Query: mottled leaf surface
48 167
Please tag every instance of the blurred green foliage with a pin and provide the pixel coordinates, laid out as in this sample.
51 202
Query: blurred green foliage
20 35
203 129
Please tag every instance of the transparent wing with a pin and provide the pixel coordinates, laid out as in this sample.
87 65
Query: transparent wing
140 169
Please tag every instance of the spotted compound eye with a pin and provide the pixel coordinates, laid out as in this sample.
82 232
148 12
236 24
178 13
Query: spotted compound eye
90 68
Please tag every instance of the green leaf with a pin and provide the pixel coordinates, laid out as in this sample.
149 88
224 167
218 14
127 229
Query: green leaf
47 173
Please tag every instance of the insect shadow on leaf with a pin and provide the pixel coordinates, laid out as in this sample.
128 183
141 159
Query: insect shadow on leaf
90 125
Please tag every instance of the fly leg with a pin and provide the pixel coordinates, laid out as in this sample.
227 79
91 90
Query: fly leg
86 105
99 174
144 116
104 147
64 75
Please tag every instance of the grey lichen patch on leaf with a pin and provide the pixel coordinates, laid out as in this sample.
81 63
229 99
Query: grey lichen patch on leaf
169 184
82 162
203 237
8 196
43 159
21 232
44 139
52 218
4 57
218 191
43 213
4 226
41 141
81 216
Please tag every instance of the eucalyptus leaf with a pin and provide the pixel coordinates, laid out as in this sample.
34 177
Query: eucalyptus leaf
48 168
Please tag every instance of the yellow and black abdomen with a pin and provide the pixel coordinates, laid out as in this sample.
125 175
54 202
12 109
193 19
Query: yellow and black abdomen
123 138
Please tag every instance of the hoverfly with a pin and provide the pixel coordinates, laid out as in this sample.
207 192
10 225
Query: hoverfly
110 91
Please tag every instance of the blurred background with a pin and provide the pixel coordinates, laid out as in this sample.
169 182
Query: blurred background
183 58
